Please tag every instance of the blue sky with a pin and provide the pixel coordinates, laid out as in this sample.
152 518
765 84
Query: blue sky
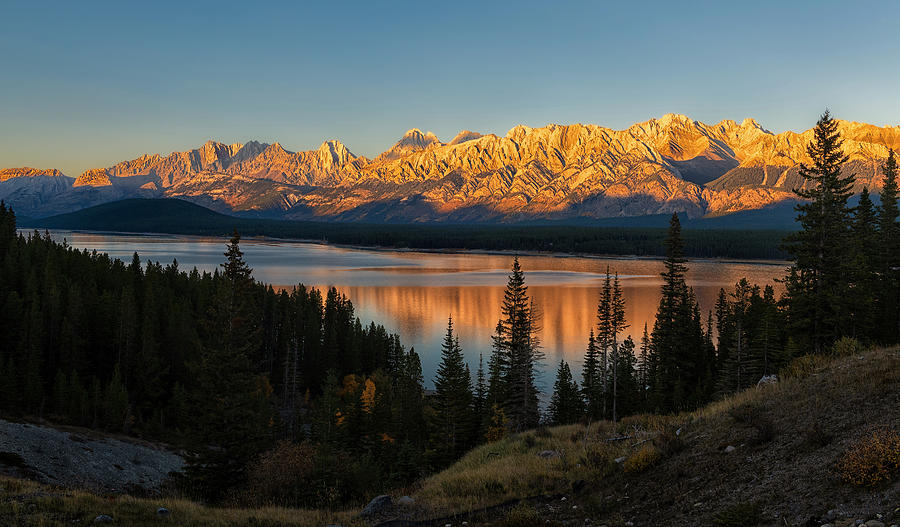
87 84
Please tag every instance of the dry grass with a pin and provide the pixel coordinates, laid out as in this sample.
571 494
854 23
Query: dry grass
784 432
27 503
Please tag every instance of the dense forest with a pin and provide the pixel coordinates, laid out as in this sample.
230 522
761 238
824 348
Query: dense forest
286 397
604 237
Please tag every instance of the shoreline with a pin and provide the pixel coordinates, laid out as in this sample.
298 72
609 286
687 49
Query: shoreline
410 250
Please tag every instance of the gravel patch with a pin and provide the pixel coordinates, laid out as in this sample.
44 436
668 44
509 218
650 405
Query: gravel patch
69 459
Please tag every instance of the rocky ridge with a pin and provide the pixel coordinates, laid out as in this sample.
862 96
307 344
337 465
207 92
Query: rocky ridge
662 165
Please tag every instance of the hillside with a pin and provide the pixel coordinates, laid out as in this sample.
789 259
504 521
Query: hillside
709 237
766 456
555 172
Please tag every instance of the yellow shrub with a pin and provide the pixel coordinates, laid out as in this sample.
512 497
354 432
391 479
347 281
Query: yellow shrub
871 459
804 366
642 459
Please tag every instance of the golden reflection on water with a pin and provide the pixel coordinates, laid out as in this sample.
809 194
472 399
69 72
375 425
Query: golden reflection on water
413 293
419 313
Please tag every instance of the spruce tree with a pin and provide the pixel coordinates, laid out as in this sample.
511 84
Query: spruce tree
865 270
566 403
519 348
233 415
452 402
628 386
591 383
617 324
676 343
818 282
888 298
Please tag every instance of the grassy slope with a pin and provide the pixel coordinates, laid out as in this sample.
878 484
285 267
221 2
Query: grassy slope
787 438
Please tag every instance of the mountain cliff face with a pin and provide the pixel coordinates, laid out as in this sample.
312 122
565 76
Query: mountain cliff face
554 172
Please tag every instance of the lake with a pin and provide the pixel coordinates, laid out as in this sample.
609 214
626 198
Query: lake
413 293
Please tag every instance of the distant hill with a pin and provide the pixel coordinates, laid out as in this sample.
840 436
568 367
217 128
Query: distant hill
642 236
140 215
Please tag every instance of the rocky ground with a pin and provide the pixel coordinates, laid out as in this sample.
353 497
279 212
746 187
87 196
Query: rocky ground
79 458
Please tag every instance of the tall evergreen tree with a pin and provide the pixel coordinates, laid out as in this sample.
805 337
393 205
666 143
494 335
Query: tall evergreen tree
233 416
592 380
889 246
566 404
617 324
676 344
519 348
865 267
818 281
452 402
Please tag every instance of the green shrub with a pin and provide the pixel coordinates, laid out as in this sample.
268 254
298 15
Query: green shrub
846 346
804 366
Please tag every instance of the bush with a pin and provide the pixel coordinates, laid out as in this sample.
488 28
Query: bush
804 366
846 346
871 459
280 474
641 460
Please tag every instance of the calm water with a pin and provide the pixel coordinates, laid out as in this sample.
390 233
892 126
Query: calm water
414 293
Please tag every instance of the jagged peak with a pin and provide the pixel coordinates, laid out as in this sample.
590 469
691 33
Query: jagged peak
674 118
9 173
465 135
333 152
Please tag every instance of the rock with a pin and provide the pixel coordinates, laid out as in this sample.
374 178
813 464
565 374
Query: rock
549 454
874 523
377 505
405 501
729 449
767 379
103 518
621 459
163 512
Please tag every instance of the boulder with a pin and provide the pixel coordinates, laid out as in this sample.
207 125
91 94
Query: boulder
767 379
405 501
729 449
163 512
378 505
548 454
103 518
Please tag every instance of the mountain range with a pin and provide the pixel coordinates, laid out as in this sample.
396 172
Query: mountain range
556 172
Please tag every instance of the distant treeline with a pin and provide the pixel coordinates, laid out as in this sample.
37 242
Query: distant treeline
179 217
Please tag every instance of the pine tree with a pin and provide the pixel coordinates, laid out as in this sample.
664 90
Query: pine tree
676 343
864 268
617 324
479 403
888 297
566 403
233 415
591 383
628 386
520 350
116 411
644 368
451 423
818 282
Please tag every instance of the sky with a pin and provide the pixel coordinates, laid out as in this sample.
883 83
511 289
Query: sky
89 84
